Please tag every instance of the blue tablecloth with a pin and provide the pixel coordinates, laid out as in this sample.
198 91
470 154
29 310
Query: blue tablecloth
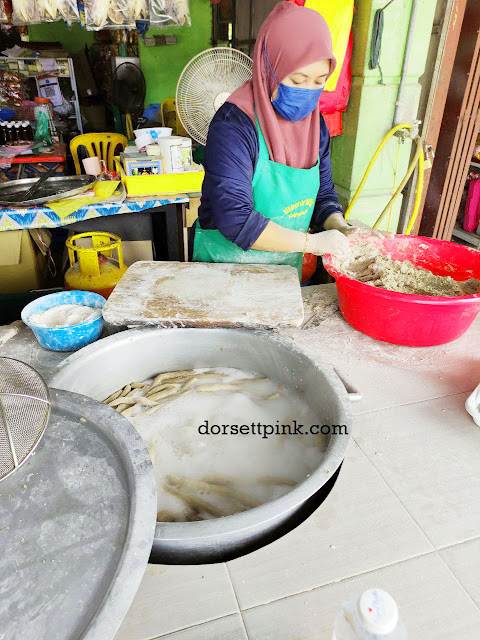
45 218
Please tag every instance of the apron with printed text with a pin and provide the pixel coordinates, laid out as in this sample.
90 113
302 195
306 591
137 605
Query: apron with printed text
285 195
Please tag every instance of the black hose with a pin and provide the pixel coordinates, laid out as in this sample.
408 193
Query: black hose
376 44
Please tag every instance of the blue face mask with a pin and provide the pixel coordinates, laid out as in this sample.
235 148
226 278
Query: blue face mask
292 103
295 103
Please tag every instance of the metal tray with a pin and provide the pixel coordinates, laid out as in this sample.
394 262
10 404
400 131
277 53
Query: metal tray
53 189
76 526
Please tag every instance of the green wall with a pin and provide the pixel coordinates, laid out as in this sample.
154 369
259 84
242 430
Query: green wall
161 65
73 39
371 107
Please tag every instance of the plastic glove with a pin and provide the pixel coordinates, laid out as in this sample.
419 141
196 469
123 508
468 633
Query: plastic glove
333 241
365 232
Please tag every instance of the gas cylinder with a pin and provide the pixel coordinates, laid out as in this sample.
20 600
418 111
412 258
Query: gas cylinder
96 262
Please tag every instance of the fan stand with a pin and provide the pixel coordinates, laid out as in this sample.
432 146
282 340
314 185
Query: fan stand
129 127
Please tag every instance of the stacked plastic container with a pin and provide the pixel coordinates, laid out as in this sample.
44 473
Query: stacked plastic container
471 221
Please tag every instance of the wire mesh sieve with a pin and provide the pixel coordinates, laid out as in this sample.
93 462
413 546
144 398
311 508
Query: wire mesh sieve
24 413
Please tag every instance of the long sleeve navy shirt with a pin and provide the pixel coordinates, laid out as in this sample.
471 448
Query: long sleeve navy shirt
231 156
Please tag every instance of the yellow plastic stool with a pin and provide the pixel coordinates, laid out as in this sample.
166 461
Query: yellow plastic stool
95 269
102 145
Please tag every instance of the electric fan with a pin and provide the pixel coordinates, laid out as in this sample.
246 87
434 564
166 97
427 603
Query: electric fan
128 92
206 83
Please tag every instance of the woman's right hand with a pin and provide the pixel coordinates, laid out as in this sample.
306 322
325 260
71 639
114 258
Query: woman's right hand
333 241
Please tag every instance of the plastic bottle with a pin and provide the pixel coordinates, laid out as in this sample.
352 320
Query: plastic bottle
29 131
371 616
18 131
10 133
26 135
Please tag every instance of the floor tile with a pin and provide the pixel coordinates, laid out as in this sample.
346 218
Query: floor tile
432 603
459 361
171 598
361 526
428 453
464 561
228 628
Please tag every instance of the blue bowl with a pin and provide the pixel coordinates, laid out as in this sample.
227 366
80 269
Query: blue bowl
66 338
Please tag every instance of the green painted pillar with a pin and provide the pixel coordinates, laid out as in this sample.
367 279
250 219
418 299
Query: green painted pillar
371 108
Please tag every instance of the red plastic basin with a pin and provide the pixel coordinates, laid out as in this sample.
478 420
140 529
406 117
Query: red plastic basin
404 318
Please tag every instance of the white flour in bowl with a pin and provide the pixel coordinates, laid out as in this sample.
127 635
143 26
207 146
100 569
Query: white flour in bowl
65 315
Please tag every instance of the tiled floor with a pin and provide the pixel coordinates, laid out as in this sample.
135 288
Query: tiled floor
404 514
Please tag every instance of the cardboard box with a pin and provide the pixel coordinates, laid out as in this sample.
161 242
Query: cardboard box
22 265
191 213
135 250
136 167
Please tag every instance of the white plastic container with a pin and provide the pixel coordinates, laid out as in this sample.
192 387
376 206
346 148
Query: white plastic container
187 153
154 132
154 150
371 616
172 154
160 132
143 140
472 405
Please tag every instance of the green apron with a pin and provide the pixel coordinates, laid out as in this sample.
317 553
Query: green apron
283 194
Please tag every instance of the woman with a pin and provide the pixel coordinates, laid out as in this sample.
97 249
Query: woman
267 159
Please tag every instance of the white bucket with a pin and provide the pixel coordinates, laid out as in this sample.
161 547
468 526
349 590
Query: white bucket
172 154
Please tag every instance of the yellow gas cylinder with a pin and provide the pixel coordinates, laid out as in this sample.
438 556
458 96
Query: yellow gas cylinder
92 265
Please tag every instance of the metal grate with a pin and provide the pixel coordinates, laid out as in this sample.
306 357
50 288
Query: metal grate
24 413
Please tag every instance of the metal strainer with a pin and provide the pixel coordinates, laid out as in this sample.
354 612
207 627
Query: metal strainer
24 413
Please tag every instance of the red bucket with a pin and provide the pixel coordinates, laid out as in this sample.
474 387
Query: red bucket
404 318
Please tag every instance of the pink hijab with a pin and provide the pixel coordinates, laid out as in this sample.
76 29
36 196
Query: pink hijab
294 37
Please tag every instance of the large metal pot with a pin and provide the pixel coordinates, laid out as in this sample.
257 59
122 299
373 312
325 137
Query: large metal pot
103 367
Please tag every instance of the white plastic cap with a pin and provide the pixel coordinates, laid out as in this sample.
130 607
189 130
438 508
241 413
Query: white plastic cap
378 611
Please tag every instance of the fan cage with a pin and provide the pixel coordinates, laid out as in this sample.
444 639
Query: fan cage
128 88
208 74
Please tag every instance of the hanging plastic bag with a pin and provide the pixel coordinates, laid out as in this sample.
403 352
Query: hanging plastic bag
52 10
5 11
25 12
338 15
167 13
137 10
108 14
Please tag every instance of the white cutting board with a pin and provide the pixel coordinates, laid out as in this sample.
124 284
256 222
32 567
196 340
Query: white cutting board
201 294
